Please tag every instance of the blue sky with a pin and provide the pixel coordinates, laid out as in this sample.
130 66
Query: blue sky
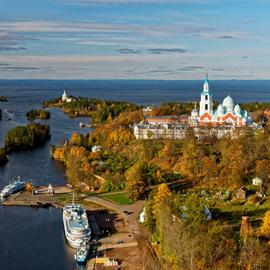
134 39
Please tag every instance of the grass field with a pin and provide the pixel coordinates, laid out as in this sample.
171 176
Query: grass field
120 198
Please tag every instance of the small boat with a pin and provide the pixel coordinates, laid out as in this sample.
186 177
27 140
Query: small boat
14 187
82 124
82 252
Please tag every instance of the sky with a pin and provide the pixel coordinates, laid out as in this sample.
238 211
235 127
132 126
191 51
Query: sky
134 39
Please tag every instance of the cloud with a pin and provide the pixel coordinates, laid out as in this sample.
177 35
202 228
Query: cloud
151 51
51 28
166 50
126 2
3 64
190 68
218 69
167 71
10 42
128 51
5 67
152 70
226 37
10 49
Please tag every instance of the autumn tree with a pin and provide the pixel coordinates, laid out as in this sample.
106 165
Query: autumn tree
189 165
162 195
135 183
265 227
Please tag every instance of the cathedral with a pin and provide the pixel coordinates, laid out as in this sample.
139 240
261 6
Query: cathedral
227 113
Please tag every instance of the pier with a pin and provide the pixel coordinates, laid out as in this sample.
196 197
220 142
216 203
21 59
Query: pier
39 200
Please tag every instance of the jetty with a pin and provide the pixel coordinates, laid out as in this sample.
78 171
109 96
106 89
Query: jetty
41 199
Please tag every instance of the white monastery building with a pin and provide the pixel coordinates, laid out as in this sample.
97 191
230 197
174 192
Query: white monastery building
227 113
204 122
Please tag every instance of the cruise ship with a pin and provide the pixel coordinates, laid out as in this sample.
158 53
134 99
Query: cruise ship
76 225
82 252
14 187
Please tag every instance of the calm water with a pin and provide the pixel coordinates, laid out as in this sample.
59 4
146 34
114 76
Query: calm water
33 239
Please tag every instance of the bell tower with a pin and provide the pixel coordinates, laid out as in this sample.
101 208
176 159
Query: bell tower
206 104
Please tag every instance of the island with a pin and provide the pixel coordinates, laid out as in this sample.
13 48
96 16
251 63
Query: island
100 111
3 156
206 190
192 177
3 99
38 114
26 137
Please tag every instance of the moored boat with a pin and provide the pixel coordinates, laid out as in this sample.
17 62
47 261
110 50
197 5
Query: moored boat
13 187
82 252
76 225
82 124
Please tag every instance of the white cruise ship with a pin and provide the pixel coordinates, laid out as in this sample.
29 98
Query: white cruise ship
76 225
14 187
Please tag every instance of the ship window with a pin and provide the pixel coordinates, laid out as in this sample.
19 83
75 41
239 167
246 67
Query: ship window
206 97
206 106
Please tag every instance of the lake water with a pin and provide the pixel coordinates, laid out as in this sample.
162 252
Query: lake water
33 239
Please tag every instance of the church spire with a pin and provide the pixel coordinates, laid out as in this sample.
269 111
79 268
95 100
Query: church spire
206 83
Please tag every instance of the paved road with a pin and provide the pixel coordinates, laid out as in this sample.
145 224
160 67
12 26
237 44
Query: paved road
149 257
129 212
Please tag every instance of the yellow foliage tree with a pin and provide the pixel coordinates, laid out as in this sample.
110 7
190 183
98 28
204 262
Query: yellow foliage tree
265 227
189 163
162 195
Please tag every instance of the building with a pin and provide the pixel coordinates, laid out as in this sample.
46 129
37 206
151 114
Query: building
170 119
147 111
65 97
96 148
203 122
257 181
146 131
227 114
241 193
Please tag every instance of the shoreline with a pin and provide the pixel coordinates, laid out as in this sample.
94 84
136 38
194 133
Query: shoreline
43 200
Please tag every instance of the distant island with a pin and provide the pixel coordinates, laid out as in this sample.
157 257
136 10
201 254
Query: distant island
38 114
3 156
26 137
100 111
3 99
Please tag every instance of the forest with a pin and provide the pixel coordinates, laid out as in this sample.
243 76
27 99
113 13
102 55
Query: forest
26 137
180 179
38 114
125 161
100 111
185 239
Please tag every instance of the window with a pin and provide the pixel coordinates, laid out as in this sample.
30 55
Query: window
206 97
206 107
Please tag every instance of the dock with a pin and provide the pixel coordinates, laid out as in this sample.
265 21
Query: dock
39 200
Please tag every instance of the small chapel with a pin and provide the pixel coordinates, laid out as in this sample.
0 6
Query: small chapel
65 97
227 114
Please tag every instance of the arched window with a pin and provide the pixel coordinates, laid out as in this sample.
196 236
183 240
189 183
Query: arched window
206 107
206 97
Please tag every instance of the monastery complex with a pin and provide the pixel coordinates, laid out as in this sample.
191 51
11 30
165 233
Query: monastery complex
204 121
